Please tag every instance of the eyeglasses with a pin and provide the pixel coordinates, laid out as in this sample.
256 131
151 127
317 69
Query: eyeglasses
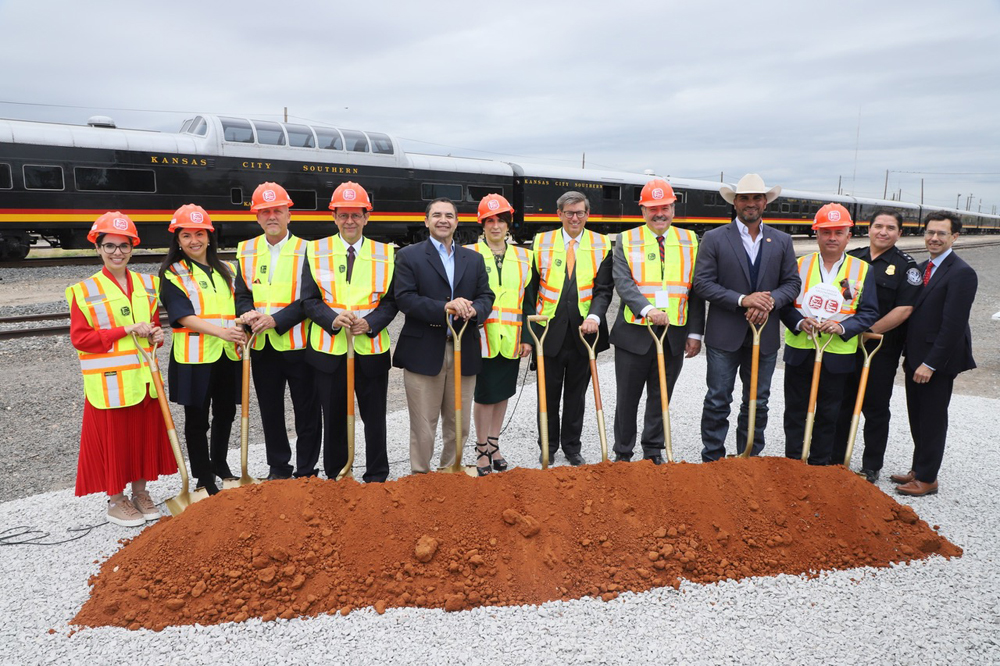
935 234
574 213
124 248
353 217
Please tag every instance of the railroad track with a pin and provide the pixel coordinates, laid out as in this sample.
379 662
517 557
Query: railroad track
90 260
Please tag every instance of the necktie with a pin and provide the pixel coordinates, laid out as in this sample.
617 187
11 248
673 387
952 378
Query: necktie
927 272
350 262
663 255
571 258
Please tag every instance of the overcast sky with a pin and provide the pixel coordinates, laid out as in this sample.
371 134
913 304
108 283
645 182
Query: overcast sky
688 89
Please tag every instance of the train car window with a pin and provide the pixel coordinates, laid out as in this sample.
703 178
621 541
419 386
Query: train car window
269 133
43 177
431 191
381 143
186 125
682 197
356 141
6 181
329 138
612 192
786 208
477 192
236 196
199 126
237 130
797 208
99 179
300 136
636 193
304 199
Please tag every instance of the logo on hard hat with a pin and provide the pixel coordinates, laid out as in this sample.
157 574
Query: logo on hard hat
349 195
833 215
269 195
657 192
197 217
493 204
119 223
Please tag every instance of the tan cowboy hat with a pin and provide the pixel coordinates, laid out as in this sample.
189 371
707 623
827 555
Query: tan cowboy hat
750 184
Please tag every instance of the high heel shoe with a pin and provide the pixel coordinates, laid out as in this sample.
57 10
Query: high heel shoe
209 485
482 451
498 465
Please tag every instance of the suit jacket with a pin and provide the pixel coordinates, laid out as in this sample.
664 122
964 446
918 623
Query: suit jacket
938 332
636 339
421 292
323 315
722 275
565 323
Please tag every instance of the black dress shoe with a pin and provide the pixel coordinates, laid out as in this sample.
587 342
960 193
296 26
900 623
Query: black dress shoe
552 458
623 457
575 459
655 459
871 475
277 476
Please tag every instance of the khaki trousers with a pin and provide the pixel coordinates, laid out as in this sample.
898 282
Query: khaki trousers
428 398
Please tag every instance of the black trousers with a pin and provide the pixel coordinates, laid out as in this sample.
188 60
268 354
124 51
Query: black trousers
632 373
371 387
881 375
927 407
272 371
567 376
208 461
798 380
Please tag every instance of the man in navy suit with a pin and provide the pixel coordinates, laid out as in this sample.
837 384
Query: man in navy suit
430 277
745 271
938 347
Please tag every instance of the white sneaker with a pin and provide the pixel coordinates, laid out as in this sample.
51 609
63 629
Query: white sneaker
144 504
124 514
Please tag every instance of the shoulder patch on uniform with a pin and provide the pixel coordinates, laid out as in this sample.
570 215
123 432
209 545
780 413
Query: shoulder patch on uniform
906 256
913 276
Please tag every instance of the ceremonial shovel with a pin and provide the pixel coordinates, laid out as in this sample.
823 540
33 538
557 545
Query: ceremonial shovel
664 404
592 353
543 408
862 385
456 467
752 406
245 478
348 471
184 499
822 301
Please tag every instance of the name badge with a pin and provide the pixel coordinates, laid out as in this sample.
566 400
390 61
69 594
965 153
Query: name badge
662 300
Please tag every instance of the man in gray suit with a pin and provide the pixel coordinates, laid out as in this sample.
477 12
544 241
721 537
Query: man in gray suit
746 270
653 267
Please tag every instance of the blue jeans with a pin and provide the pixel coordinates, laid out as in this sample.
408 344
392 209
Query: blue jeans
721 379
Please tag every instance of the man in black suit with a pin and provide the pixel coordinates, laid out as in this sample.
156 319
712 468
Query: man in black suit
570 282
430 277
746 270
653 269
347 283
938 347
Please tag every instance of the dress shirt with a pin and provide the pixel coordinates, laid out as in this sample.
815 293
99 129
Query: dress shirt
566 239
275 250
936 262
751 245
448 259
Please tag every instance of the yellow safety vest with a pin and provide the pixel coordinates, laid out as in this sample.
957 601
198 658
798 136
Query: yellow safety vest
502 332
854 271
370 280
642 253
274 288
213 302
115 378
550 261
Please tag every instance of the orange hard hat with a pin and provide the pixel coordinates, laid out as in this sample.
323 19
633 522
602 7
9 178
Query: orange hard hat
657 192
493 204
350 195
269 195
114 222
832 216
190 216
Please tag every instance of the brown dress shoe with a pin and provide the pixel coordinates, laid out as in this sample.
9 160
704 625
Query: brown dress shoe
903 478
917 488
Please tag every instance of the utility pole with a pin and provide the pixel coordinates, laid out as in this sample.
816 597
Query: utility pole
840 180
286 114
921 191
885 190
721 176
958 199
968 201
583 160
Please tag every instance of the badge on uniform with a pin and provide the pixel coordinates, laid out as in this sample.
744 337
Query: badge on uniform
342 268
890 269
125 311
204 285
263 269
650 256
558 262
913 276
489 269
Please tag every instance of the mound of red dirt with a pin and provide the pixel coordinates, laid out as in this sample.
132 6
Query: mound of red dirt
309 546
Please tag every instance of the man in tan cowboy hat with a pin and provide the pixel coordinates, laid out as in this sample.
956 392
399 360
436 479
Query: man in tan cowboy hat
746 270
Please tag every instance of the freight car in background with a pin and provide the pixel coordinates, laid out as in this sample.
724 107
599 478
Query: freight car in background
55 179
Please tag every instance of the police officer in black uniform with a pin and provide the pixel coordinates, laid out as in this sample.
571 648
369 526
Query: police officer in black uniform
898 280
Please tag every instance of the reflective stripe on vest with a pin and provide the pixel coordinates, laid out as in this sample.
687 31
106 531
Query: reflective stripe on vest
854 271
550 261
215 305
272 293
370 280
642 254
501 334
115 378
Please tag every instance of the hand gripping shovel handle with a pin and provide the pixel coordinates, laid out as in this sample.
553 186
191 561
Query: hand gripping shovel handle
245 478
813 392
543 409
754 369
862 385
348 471
664 402
592 354
456 337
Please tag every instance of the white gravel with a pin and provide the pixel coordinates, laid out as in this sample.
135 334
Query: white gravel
933 612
